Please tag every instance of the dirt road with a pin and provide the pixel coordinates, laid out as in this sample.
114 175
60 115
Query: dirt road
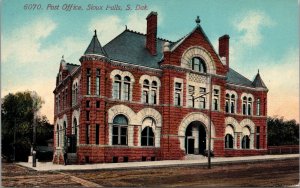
269 173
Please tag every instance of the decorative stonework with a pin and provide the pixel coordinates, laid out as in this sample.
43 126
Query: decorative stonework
234 123
197 78
198 51
249 123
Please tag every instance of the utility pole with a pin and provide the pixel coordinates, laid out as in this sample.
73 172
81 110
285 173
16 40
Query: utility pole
14 159
209 124
34 142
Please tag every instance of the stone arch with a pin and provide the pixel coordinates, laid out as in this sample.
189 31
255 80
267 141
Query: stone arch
198 51
149 112
248 95
122 109
232 121
129 114
152 113
249 123
150 78
114 73
191 117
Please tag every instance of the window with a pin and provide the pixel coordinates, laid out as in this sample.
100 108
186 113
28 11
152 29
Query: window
228 141
98 82
232 104
64 133
216 99
57 133
88 81
191 101
178 89
97 104
58 106
146 87
87 134
87 115
203 97
154 93
257 137
56 101
244 105
74 94
227 101
246 142
198 65
147 137
87 104
249 106
97 133
117 87
66 98
119 132
258 107
126 88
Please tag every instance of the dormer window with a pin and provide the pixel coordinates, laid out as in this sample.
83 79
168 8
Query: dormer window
198 65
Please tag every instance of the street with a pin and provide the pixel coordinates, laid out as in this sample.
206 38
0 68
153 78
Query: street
282 172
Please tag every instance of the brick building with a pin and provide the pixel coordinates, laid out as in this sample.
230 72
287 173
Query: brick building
141 97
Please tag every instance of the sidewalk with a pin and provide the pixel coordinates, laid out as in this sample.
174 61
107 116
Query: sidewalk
40 166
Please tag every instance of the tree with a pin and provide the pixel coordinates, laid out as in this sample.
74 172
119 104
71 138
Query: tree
17 123
282 132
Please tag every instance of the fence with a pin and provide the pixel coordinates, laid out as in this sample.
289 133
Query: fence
287 149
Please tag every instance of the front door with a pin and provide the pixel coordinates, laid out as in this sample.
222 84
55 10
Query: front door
190 145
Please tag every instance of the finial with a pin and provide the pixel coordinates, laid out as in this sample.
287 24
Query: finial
125 27
95 33
258 71
198 20
62 56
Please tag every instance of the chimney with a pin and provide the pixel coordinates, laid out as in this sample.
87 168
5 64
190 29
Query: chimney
224 48
151 32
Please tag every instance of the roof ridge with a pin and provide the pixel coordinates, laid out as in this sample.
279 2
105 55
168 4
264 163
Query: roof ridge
72 64
240 74
140 33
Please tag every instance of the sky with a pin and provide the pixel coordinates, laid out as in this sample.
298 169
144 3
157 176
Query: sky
264 35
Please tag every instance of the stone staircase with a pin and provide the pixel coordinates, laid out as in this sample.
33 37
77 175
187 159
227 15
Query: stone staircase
194 157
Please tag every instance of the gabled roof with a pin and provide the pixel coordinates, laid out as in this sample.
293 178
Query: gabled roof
71 67
236 78
258 82
130 47
95 47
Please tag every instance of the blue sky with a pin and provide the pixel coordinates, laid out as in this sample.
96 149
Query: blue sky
263 35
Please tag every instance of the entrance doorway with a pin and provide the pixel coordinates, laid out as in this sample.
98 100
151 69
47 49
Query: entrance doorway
72 144
195 138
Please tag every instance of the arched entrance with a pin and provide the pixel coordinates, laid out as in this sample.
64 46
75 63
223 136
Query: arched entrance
195 138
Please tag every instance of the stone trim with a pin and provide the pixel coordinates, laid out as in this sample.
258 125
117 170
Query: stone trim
198 51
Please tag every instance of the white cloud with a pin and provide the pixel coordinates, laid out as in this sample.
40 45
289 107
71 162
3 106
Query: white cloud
250 25
282 79
24 44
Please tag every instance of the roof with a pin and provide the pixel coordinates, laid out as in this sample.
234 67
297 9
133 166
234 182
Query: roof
258 82
234 77
71 67
130 47
95 47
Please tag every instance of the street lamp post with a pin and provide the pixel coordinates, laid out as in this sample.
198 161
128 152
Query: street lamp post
209 123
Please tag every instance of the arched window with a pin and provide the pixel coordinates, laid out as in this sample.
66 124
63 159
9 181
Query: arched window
244 105
64 133
147 137
74 131
249 106
232 103
246 142
146 87
228 141
74 93
119 132
258 107
126 88
117 87
198 65
227 101
154 93
57 134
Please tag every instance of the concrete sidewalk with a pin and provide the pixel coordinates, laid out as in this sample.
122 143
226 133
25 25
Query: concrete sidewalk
48 166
